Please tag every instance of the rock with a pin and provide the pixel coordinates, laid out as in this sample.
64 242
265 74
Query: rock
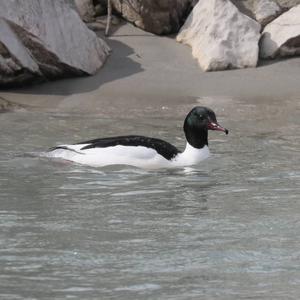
220 36
263 11
282 36
287 4
266 10
16 63
85 9
41 40
159 17
248 7
193 3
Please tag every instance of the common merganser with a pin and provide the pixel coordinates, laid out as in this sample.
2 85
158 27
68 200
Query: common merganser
146 152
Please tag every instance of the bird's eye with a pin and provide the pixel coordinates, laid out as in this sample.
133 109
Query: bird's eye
201 117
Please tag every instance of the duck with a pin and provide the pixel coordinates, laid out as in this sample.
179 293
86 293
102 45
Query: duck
145 152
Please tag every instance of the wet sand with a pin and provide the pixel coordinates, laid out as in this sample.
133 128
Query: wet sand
145 69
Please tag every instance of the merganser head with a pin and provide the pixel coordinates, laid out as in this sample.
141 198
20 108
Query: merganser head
197 123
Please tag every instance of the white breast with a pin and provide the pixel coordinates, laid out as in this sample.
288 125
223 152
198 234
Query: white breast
191 156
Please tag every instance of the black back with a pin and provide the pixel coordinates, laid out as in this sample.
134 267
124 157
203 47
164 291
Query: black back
165 149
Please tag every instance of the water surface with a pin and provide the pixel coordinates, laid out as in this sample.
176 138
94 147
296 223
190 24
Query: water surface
227 229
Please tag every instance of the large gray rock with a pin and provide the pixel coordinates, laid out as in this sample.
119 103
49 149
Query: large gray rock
41 39
159 17
16 62
282 36
247 7
86 10
255 9
287 4
263 11
221 37
266 10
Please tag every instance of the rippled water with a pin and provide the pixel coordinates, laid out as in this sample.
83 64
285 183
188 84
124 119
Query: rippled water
228 229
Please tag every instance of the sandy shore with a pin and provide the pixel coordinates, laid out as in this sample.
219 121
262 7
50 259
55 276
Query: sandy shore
144 68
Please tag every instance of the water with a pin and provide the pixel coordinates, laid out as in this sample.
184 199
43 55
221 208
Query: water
228 229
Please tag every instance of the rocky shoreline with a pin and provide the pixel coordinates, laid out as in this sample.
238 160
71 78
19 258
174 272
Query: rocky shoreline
46 40
223 34
148 71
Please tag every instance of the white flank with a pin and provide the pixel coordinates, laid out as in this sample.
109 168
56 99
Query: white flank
138 156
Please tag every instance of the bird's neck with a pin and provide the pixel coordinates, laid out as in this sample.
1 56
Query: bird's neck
197 139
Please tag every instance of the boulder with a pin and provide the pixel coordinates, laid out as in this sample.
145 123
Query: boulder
263 11
41 39
86 10
266 10
282 36
16 62
221 37
159 17
248 6
287 4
